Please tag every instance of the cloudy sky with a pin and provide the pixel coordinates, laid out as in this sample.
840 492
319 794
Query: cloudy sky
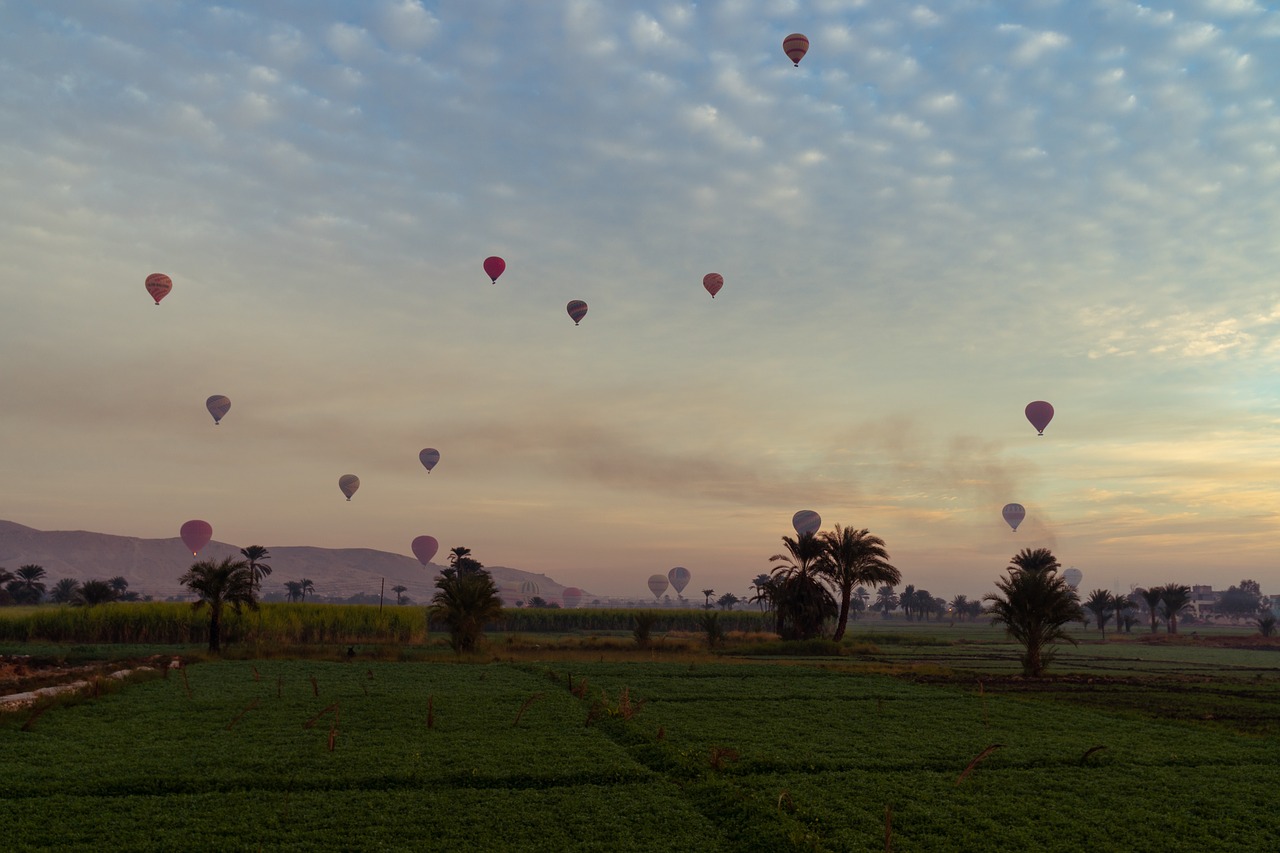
947 211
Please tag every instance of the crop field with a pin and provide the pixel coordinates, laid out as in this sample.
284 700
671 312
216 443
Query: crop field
912 747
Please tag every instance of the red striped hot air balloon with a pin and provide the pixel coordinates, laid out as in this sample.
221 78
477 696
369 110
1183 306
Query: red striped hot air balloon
158 285
577 310
493 267
795 46
218 406
713 281
806 521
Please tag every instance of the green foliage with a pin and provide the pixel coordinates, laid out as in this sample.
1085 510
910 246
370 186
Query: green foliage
710 622
1034 604
643 621
464 601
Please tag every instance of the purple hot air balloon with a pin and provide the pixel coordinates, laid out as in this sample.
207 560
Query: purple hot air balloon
218 406
1039 413
679 577
196 534
658 585
429 456
1013 514
806 521
577 310
424 548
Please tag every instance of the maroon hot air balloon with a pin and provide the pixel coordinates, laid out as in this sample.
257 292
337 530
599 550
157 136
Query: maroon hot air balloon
196 534
493 267
424 548
806 521
679 577
571 596
159 285
1039 413
577 310
795 46
713 281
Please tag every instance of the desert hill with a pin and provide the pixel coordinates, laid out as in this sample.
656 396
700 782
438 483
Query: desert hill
152 566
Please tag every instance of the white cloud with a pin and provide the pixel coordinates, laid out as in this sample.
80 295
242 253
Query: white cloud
349 42
406 25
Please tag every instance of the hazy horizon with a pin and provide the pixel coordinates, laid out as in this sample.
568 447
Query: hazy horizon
943 214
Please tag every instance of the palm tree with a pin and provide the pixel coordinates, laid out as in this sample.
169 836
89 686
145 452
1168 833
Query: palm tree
462 562
907 601
1101 603
960 606
707 593
1152 598
801 602
6 577
727 601
28 585
217 585
1035 604
294 590
852 557
93 592
886 600
119 584
465 601
400 590
257 556
305 586
1121 605
64 591
1176 599
761 584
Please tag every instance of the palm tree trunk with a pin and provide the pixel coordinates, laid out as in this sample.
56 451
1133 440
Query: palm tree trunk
215 626
842 619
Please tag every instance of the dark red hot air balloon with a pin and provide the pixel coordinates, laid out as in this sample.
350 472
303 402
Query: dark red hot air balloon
493 267
159 285
577 310
196 534
713 281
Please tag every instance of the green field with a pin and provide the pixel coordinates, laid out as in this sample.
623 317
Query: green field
1133 746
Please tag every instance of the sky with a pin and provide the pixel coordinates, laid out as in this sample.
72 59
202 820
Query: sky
945 212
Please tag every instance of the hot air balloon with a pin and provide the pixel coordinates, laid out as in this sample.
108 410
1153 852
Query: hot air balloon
571 596
806 521
424 548
577 310
1013 514
196 534
493 267
795 46
1039 413
679 577
529 589
658 585
429 456
159 285
713 281
1073 576
218 406
348 483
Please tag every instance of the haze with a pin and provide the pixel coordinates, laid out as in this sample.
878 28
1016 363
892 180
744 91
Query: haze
945 212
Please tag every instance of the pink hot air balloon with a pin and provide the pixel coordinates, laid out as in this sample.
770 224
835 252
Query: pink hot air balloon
713 281
1039 413
795 46
1013 515
424 548
806 521
494 267
658 585
577 310
196 534
218 406
571 596
429 456
159 285
679 577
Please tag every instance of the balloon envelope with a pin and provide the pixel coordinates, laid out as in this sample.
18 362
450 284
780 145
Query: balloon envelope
795 46
1013 515
159 285
348 483
494 266
658 585
679 577
577 310
196 534
571 596
713 281
529 588
424 548
806 521
1039 413
1073 576
429 456
218 406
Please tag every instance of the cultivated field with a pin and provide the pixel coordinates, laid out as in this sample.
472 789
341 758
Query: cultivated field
920 738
